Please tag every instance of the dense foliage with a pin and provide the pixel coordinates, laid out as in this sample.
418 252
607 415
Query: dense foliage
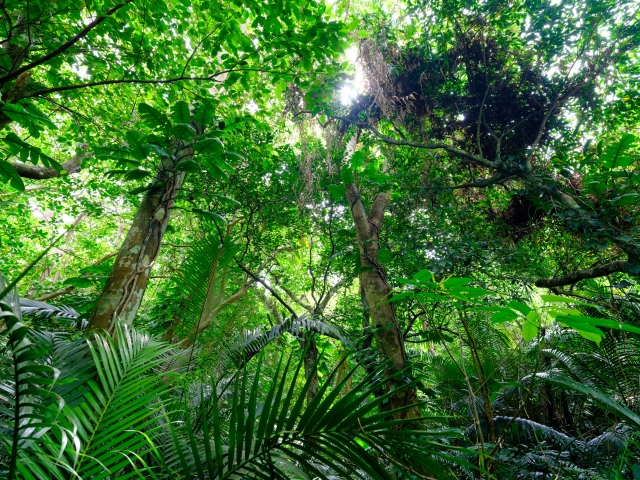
292 239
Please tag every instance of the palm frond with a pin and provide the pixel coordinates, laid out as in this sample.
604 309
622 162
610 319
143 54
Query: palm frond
38 309
72 358
255 340
35 433
122 402
204 277
272 434
603 400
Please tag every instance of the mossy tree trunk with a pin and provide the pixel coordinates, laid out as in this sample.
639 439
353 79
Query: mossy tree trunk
128 279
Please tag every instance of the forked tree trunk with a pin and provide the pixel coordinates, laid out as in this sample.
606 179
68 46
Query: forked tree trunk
129 276
377 291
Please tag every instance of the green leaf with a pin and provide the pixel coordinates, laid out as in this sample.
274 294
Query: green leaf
281 86
520 307
555 311
585 330
615 156
26 117
144 188
423 275
347 175
529 331
472 292
209 146
158 150
604 400
225 200
503 315
8 173
456 282
153 117
204 113
337 192
180 112
400 296
558 299
219 219
27 151
188 166
356 161
183 131
595 187
136 146
632 268
601 322
136 174
79 282
384 256
627 199
216 168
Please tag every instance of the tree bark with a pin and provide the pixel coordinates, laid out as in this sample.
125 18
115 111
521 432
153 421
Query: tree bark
129 276
310 365
575 277
40 172
377 291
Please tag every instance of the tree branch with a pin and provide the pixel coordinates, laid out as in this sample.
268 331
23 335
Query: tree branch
65 46
70 288
271 290
64 88
485 182
324 301
427 146
40 172
574 277
57 293
376 212
296 299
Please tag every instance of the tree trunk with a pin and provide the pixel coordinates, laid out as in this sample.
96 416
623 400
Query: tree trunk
566 412
310 365
129 276
377 291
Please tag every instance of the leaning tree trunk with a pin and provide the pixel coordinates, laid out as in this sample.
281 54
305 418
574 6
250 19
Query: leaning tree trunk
377 291
129 276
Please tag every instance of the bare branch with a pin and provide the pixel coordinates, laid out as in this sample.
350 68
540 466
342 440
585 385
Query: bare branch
57 293
296 299
46 91
271 290
71 288
485 182
574 277
324 301
427 146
